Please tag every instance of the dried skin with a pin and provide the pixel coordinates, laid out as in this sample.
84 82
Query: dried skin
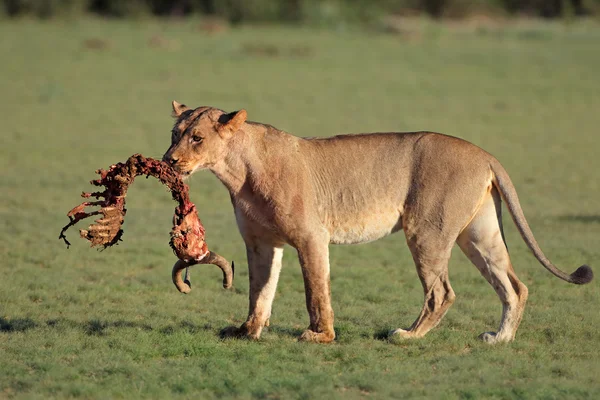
187 235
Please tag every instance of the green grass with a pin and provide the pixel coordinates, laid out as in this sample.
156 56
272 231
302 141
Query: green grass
81 323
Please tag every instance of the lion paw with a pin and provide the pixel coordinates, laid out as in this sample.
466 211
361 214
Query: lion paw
490 337
401 334
316 337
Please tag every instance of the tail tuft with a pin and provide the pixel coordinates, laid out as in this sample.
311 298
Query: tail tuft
582 275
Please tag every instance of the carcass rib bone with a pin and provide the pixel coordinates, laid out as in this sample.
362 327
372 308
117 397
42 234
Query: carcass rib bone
187 235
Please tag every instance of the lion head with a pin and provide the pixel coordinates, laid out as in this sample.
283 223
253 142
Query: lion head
200 136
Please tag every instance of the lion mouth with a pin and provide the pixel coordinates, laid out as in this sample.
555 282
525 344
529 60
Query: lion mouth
185 174
186 170
183 171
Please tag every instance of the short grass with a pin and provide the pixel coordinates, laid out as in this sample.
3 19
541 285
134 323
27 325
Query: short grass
81 95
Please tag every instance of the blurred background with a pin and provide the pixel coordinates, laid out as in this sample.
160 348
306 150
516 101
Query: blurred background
87 83
301 11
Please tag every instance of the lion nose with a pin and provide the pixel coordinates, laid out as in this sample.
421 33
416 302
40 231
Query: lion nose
170 159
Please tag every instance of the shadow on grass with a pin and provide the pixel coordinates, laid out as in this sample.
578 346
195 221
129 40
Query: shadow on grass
185 326
16 324
382 334
234 332
97 327
586 219
285 331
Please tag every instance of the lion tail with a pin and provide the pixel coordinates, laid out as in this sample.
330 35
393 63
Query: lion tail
507 190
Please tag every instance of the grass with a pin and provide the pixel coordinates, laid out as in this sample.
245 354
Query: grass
81 95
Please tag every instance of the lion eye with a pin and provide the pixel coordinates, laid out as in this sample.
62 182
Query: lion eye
196 139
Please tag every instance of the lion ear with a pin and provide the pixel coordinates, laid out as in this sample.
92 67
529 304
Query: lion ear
178 109
232 122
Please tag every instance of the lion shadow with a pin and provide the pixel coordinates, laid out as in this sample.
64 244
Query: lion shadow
586 219
102 327
285 331
16 324
383 334
99 327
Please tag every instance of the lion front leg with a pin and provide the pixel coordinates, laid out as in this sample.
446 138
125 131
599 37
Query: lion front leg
264 264
314 259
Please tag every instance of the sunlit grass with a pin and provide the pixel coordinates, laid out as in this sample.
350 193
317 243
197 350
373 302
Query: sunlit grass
81 323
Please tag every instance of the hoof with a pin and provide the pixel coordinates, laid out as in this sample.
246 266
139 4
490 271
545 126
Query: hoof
185 289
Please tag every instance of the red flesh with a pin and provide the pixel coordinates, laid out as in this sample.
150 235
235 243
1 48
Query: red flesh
187 235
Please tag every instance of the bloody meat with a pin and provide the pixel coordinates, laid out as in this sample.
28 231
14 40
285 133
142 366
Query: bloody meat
187 235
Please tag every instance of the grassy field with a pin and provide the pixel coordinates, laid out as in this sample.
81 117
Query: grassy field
78 96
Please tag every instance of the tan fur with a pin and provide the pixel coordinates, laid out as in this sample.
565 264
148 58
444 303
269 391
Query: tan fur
310 193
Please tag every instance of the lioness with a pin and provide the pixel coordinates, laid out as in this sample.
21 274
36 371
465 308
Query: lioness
309 193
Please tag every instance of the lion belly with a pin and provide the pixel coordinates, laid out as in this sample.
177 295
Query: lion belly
364 227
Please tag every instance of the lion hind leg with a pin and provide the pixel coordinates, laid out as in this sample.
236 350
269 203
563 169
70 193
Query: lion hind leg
439 296
482 242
